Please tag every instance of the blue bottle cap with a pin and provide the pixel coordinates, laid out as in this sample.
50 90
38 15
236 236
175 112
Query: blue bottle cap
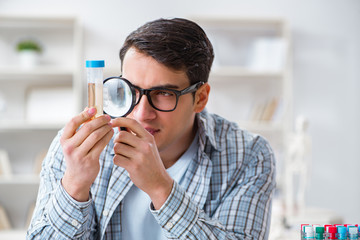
342 230
95 63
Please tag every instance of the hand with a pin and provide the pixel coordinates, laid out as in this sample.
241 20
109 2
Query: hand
136 151
82 149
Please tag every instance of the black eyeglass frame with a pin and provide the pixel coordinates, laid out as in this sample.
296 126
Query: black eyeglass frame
178 93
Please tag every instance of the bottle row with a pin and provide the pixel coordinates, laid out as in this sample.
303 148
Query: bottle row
330 231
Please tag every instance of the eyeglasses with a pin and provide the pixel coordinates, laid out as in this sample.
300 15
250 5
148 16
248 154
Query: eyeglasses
164 99
120 93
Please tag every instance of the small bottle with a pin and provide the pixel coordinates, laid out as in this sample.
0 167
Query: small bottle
326 229
94 69
332 232
342 232
308 232
353 233
302 231
319 233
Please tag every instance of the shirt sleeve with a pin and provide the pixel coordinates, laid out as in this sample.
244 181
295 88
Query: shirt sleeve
243 213
57 215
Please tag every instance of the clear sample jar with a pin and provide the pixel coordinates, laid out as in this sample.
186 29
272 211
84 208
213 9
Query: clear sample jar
94 70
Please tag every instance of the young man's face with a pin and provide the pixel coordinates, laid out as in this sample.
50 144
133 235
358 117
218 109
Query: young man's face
173 131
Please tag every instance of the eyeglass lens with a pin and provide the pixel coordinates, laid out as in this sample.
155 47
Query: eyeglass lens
161 99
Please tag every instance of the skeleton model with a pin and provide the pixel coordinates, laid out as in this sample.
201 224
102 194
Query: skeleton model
297 165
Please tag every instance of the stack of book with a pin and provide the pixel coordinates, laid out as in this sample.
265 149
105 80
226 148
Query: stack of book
266 111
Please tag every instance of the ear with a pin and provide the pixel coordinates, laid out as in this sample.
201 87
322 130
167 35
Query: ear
201 97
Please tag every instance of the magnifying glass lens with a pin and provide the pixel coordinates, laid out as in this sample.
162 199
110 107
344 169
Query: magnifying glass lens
117 97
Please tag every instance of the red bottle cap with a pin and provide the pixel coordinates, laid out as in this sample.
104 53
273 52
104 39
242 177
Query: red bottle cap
332 232
327 227
302 226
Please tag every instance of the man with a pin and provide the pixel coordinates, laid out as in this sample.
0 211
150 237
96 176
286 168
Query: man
175 172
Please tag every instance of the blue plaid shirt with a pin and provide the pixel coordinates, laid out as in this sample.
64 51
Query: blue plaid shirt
226 192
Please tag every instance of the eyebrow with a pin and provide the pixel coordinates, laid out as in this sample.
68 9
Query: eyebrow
170 86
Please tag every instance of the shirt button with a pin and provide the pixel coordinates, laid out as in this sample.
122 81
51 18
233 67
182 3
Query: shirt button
169 225
74 223
105 213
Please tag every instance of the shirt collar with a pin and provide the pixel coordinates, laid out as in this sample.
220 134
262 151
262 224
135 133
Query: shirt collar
207 130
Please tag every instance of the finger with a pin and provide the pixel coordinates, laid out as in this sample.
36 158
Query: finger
125 150
97 136
130 124
124 137
122 161
129 139
100 145
75 122
89 127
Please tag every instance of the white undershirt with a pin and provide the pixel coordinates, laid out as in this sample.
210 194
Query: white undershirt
138 223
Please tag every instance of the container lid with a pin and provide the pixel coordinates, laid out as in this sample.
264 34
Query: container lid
342 230
326 226
95 63
332 229
303 226
353 230
321 229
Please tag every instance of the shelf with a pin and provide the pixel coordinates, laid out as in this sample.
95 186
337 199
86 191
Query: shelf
13 234
43 23
261 126
20 179
252 26
45 73
230 71
37 103
221 21
7 126
251 74
18 202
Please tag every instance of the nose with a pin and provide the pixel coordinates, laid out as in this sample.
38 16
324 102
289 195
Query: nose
143 110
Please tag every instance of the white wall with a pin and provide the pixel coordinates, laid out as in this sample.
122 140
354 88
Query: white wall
326 36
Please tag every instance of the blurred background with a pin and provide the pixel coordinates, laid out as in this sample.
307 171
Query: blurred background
289 70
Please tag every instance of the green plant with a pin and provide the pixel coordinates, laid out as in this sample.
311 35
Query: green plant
28 45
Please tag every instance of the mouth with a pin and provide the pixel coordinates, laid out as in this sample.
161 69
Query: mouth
152 131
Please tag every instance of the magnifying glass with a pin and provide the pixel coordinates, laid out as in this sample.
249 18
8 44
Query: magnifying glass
118 97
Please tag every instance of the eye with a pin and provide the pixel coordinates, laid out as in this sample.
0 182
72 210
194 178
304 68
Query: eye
164 93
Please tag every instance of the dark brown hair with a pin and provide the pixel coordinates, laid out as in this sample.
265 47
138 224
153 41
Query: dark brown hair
179 44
